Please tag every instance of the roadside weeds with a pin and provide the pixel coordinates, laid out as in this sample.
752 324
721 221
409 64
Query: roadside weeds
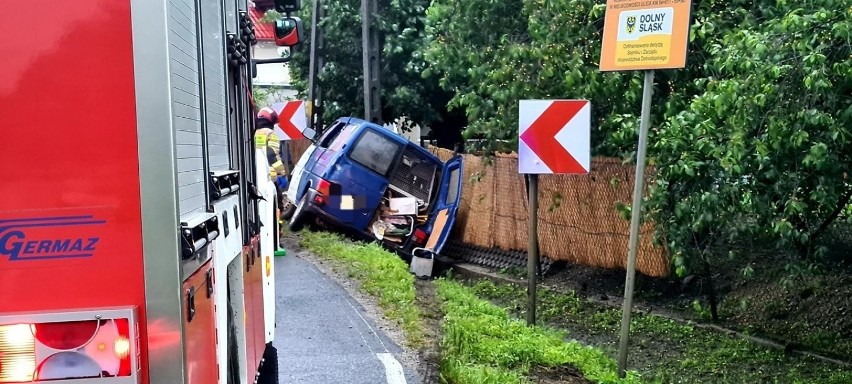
662 349
483 344
462 338
469 331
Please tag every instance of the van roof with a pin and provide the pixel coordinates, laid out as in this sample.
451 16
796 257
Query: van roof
396 137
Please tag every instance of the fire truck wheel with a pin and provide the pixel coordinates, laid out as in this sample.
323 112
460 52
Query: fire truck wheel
300 217
269 370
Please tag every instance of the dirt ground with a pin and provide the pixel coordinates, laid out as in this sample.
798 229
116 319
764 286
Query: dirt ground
431 316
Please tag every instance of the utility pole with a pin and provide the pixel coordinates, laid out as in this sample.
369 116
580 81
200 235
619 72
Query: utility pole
372 67
314 87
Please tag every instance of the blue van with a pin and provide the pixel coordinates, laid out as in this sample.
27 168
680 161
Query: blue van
364 178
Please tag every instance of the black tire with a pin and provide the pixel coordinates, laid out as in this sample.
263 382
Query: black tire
289 209
300 216
268 373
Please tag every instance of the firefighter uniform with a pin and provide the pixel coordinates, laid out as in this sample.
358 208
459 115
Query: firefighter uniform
265 139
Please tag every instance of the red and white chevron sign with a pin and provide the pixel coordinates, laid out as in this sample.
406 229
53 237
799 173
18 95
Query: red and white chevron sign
554 136
292 120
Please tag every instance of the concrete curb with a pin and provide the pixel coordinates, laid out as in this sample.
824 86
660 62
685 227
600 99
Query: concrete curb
475 271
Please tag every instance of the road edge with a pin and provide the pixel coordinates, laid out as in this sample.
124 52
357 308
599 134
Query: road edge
409 359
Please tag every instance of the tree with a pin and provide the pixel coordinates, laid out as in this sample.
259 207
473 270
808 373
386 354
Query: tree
405 92
770 134
751 139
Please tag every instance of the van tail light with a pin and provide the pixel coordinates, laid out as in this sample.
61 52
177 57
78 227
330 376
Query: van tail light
77 349
420 237
323 191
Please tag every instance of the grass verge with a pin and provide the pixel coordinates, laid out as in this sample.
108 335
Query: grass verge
666 351
380 273
482 344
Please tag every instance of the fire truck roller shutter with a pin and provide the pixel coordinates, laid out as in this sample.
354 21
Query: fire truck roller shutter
186 107
214 85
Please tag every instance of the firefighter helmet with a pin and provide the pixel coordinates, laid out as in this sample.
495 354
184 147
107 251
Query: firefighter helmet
266 118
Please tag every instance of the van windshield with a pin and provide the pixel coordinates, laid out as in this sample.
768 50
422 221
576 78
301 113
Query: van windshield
375 151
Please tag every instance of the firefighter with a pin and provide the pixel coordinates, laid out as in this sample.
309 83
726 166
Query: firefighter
265 139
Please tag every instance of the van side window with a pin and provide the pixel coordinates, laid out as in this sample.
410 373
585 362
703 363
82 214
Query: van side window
330 134
342 138
375 151
452 193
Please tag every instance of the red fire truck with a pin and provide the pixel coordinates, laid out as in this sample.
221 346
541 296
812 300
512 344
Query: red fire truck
137 219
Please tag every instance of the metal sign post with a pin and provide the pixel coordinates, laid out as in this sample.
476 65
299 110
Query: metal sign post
642 36
554 137
532 253
635 216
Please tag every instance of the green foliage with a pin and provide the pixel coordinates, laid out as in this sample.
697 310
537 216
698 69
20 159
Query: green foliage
750 141
532 49
259 94
381 273
404 91
483 344
762 152
666 351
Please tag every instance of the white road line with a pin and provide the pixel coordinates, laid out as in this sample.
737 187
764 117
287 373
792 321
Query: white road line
393 369
375 334
355 326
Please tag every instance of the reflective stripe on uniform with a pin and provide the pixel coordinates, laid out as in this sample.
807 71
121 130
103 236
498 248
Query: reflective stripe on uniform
278 166
274 143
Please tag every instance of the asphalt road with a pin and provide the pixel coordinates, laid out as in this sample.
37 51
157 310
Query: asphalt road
324 336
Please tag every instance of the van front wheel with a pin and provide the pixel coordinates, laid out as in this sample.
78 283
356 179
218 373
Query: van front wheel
300 216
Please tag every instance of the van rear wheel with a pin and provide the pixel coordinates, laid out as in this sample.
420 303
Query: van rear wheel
300 216
289 209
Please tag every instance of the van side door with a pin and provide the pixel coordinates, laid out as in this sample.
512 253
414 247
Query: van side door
446 206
